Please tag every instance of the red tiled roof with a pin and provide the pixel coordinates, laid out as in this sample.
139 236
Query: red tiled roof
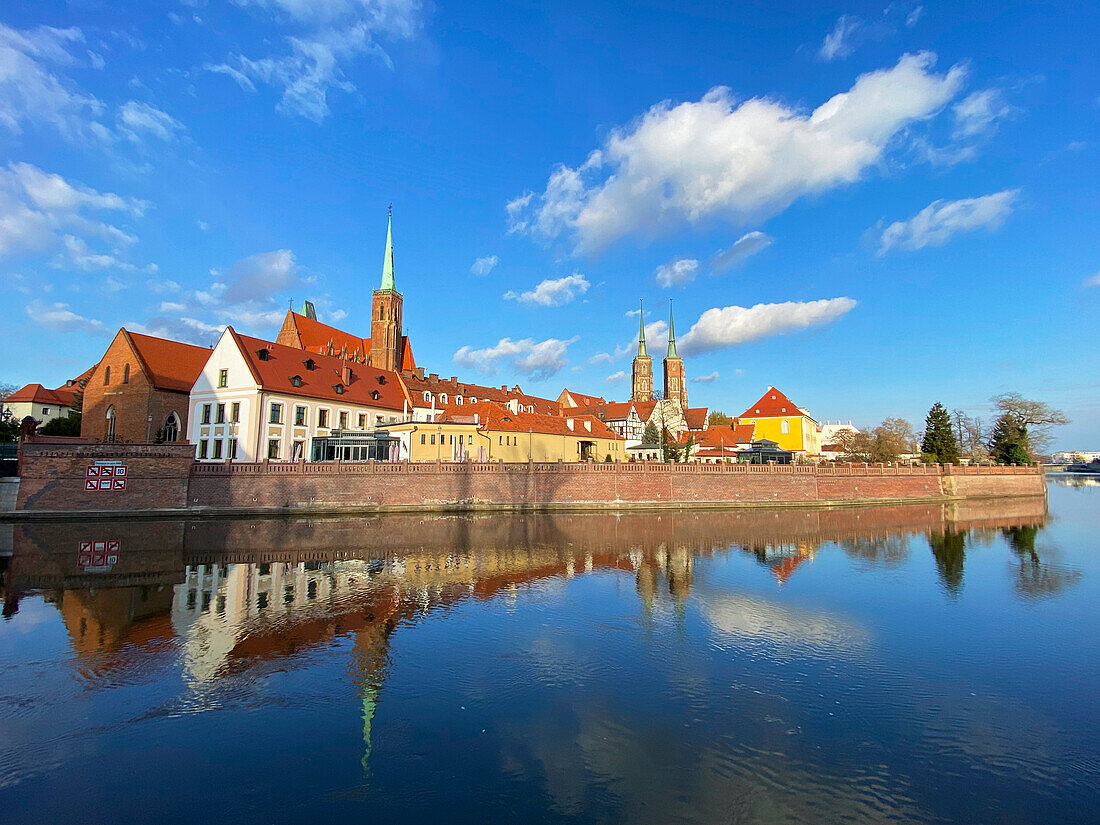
316 337
718 436
495 416
611 411
418 386
772 404
645 409
37 394
283 363
169 365
585 400
696 417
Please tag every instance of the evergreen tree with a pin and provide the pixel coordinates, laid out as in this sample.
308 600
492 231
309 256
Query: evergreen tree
939 445
1008 444
650 436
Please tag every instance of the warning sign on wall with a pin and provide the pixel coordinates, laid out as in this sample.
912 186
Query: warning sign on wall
97 556
106 475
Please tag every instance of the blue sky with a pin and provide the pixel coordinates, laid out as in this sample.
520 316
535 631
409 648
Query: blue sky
871 207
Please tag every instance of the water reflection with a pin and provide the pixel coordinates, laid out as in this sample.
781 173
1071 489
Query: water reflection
646 667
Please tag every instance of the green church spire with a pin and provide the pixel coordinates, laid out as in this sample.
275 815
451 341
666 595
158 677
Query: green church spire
387 261
641 330
671 334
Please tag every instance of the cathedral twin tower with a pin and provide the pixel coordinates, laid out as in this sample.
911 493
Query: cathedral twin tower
642 371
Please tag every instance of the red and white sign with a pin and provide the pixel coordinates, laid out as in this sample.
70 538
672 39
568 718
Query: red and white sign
106 475
97 556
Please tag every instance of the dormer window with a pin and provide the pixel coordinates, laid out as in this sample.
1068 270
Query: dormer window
263 354
427 396
381 379
310 364
458 400
339 389
374 394
443 398
296 380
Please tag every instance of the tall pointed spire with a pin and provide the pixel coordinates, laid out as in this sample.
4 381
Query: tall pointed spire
387 261
641 329
671 334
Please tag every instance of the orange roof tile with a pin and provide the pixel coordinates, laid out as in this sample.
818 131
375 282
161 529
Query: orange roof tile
170 365
696 417
36 394
496 416
611 411
726 435
284 363
645 409
586 400
772 404
317 338
455 388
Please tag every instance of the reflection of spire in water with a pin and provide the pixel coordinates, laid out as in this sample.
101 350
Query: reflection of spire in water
370 702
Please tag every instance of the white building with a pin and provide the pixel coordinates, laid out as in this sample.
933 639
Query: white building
258 400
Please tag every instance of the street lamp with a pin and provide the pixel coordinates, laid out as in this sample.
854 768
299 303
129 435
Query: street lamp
439 444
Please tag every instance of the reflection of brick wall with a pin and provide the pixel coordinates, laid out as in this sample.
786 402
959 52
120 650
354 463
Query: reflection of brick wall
53 476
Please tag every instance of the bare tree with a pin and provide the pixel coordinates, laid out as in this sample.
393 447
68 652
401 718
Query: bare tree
886 443
1036 417
971 436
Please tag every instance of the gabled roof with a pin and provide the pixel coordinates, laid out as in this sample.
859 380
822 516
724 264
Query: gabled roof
497 417
696 417
283 364
455 388
37 394
169 365
773 404
645 409
611 411
584 401
726 435
315 337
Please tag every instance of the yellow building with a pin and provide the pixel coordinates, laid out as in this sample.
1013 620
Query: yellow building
777 419
488 431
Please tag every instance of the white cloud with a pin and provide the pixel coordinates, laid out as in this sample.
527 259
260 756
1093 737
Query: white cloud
940 220
723 327
483 266
553 292
76 254
30 93
616 377
1093 281
742 249
913 16
537 359
677 272
329 35
189 330
632 313
705 379
137 120
656 339
160 286
40 211
170 306
260 276
60 318
515 209
601 358
736 161
839 42
979 113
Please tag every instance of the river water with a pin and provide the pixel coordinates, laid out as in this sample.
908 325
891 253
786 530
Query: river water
866 665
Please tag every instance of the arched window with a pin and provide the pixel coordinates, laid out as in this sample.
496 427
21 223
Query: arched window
428 397
110 422
172 427
106 376
381 313
126 374
443 398
785 427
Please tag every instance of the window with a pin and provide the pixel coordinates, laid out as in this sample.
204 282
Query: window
500 439
273 448
231 449
427 395
299 450
458 400
171 427
106 376
381 379
205 413
374 394
299 416
111 423
423 438
264 354
471 439
45 411
340 389
235 412
443 398
223 378
322 418
219 415
343 421
126 374
362 421
296 381
217 448
433 438
276 416
785 427
204 448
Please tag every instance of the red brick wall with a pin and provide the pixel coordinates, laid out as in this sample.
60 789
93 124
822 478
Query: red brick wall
133 401
53 475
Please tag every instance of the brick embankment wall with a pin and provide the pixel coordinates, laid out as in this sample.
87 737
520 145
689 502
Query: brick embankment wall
54 476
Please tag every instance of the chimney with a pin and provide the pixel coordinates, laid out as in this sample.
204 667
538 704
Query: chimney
420 373
433 376
454 379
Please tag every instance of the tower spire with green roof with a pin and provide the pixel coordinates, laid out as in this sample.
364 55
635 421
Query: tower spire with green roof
641 329
671 334
387 261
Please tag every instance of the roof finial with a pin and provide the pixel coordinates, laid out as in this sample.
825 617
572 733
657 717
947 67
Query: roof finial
671 333
387 260
641 328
